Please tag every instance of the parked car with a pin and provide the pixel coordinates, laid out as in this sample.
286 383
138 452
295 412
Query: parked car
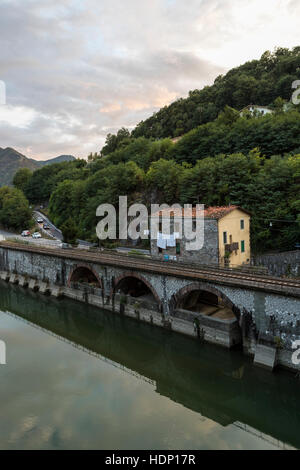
40 220
36 235
46 227
25 233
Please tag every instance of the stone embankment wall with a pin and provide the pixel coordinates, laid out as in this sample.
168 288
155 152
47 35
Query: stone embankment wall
280 264
214 330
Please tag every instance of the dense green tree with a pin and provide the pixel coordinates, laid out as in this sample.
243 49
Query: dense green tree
21 178
45 180
69 231
162 181
228 116
114 141
268 187
272 134
15 213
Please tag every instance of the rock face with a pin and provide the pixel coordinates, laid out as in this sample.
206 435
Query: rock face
11 161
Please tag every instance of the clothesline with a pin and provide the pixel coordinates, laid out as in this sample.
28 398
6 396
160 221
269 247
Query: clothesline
164 240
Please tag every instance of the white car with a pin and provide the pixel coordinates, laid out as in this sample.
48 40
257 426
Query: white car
36 235
40 220
25 233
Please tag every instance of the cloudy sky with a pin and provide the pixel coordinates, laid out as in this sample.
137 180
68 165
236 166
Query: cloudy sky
77 69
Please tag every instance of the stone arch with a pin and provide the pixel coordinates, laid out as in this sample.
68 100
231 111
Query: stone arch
83 269
201 286
132 274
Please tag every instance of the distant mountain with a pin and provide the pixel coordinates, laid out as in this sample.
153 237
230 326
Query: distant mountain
11 161
60 159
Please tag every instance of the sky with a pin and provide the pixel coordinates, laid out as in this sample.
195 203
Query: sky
76 70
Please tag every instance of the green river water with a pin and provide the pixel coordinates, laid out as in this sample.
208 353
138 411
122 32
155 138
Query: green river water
77 377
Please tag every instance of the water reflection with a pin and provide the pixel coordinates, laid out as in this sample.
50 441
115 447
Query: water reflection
171 392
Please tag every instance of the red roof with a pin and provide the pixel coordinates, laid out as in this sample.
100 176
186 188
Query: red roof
209 213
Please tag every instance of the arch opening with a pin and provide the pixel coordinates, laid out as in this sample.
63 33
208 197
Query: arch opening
198 299
84 276
135 288
208 309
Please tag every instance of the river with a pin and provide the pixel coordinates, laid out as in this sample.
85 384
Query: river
77 377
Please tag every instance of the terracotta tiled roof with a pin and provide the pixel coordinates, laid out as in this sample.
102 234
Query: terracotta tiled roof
209 213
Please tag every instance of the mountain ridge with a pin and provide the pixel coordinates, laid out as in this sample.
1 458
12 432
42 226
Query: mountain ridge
59 159
11 161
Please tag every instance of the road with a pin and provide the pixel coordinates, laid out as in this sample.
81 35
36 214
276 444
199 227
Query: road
54 231
57 237
43 242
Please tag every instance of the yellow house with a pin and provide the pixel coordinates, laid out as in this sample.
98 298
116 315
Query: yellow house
226 237
234 237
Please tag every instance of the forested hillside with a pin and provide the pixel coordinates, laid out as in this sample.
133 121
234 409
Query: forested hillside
249 160
256 82
268 187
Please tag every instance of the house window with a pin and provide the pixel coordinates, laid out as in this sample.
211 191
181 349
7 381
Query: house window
243 246
177 248
224 238
242 224
160 226
159 250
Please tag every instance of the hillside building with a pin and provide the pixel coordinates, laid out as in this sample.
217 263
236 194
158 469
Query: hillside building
260 110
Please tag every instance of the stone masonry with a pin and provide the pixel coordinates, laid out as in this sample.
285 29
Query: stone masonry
272 315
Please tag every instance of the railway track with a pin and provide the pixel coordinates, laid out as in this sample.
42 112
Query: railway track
167 268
